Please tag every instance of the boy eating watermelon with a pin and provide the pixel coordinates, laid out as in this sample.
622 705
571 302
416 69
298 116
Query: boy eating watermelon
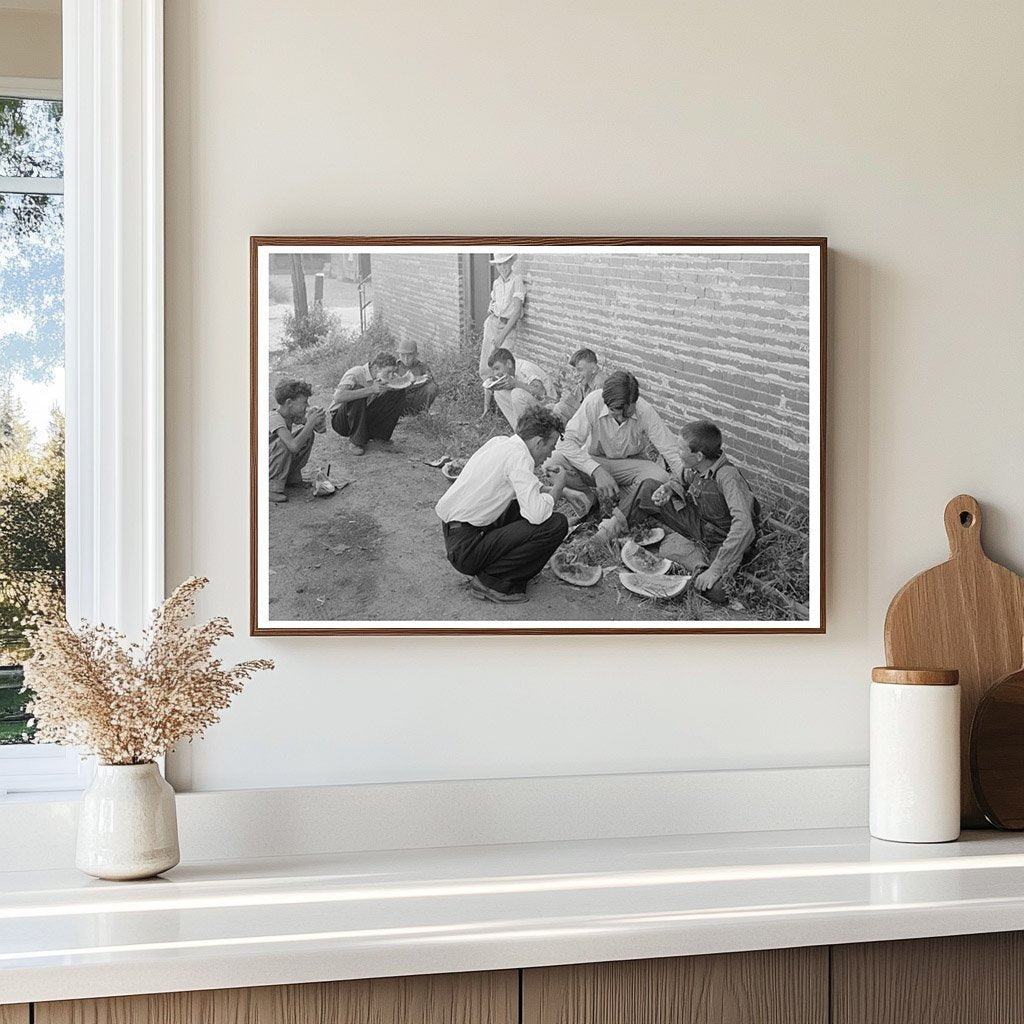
710 509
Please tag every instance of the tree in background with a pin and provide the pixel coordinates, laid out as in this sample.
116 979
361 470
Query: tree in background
299 298
32 547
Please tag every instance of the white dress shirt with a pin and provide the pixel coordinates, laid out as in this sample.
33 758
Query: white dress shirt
497 472
593 431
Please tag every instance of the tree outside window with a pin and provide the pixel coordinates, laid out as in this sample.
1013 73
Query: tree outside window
32 542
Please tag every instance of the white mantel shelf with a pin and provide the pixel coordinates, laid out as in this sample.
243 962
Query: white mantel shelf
224 924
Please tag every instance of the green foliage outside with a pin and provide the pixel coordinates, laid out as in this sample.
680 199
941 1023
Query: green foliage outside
32 546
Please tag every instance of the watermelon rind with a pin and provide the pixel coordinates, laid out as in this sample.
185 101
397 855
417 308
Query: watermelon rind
662 588
453 468
578 574
641 561
652 536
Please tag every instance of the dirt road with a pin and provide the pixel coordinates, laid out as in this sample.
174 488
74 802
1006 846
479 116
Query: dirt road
374 551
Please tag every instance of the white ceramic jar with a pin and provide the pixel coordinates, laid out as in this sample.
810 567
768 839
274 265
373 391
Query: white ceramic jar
915 755
127 823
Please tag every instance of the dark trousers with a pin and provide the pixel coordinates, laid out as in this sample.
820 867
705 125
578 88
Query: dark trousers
362 420
509 552
686 522
419 399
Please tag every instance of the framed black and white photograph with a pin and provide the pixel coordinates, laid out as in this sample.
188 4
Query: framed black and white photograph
537 435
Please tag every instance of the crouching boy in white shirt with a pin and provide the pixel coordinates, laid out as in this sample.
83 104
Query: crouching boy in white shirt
499 522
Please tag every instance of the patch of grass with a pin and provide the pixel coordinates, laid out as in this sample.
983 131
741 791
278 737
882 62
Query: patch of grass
775 582
454 426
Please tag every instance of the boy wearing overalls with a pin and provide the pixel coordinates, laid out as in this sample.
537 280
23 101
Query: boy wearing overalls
711 510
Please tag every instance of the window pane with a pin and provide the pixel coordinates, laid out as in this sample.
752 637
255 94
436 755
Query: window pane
31 430
31 138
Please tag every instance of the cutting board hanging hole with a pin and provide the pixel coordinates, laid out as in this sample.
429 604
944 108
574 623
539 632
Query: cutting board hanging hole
963 526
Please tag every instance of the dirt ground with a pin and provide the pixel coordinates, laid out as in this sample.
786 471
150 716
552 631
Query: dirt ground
374 550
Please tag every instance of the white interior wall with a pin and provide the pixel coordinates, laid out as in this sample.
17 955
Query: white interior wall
895 130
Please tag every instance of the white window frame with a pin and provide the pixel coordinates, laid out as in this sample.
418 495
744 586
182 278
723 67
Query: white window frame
114 352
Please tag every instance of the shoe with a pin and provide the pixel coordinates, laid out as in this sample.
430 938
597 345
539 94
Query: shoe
358 450
482 592
387 446
277 497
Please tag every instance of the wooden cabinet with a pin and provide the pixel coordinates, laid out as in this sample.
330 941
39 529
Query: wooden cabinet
777 986
962 979
966 979
482 998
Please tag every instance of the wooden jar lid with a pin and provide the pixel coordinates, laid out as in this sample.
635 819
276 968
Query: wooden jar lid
916 676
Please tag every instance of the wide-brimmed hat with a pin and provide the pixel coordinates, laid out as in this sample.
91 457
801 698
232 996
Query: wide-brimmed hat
502 257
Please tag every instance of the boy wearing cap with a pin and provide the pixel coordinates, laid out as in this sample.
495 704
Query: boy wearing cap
508 293
710 508
419 397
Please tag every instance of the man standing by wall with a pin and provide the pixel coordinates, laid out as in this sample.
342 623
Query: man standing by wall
508 294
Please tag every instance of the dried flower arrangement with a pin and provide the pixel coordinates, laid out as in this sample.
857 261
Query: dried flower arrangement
129 704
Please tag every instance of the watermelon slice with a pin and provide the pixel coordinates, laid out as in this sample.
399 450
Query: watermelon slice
640 560
663 588
400 383
579 574
492 382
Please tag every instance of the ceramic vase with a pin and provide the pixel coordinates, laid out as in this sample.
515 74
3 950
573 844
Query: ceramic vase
127 825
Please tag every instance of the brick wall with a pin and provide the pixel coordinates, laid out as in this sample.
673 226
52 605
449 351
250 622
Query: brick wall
419 296
712 336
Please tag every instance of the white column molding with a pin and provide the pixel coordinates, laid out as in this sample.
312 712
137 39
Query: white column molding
113 109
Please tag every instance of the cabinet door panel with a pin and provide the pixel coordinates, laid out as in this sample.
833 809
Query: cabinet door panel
482 998
14 1014
778 986
960 979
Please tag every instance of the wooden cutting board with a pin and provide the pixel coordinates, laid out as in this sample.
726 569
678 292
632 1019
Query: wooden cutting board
967 614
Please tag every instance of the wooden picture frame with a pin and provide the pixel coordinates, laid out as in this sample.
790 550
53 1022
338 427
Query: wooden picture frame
731 330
